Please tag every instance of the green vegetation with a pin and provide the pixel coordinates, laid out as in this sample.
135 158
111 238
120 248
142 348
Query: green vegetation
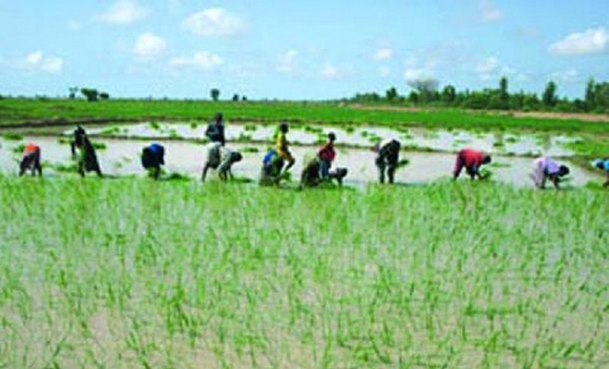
11 136
132 273
426 92
14 111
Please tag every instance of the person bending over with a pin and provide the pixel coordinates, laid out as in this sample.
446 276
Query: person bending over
84 153
31 160
545 169
153 157
471 160
387 158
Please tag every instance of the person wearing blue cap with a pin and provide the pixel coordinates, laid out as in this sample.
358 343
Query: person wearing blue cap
603 164
153 157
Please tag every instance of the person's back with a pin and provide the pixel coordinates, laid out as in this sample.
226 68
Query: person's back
229 157
471 160
153 157
310 174
544 168
272 164
31 160
84 153
387 158
215 130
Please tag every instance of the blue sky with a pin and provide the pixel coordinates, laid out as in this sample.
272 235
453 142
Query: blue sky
298 50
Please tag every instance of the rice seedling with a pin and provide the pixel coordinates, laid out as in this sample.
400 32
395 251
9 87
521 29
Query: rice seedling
132 273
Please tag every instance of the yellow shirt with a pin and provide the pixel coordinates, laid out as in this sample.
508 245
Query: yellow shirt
282 143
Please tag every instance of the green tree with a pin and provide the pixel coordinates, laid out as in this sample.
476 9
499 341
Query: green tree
426 87
215 94
90 94
73 92
449 94
504 95
235 97
590 97
391 94
104 96
549 98
413 97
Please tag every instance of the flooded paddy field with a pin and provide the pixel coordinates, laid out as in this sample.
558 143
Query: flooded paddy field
122 157
435 140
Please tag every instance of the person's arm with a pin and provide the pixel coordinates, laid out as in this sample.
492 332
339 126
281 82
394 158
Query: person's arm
556 182
606 184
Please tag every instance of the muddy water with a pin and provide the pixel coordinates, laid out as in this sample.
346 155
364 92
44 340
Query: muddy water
438 140
121 157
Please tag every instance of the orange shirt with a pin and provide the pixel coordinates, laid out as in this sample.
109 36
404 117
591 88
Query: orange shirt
30 149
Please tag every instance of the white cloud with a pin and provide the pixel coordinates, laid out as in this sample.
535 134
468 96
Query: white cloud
149 45
491 68
417 74
591 41
214 22
36 61
383 54
124 12
34 58
488 12
333 72
287 61
384 71
566 76
52 65
201 60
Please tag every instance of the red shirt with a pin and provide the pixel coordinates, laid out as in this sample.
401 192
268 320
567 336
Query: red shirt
327 152
30 148
471 157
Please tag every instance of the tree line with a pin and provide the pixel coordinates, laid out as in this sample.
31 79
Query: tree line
426 92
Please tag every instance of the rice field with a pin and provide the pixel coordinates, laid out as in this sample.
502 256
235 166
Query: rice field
130 273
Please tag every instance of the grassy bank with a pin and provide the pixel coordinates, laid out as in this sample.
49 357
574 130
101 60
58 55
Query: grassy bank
129 273
18 111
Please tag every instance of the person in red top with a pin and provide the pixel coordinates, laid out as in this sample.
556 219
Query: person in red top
31 160
472 160
326 156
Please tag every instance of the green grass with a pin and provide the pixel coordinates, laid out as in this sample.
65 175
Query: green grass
133 273
21 110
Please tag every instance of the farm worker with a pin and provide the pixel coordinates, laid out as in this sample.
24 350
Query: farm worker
153 157
387 158
282 146
545 168
229 157
326 156
603 164
472 160
215 130
31 160
272 164
84 152
310 176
